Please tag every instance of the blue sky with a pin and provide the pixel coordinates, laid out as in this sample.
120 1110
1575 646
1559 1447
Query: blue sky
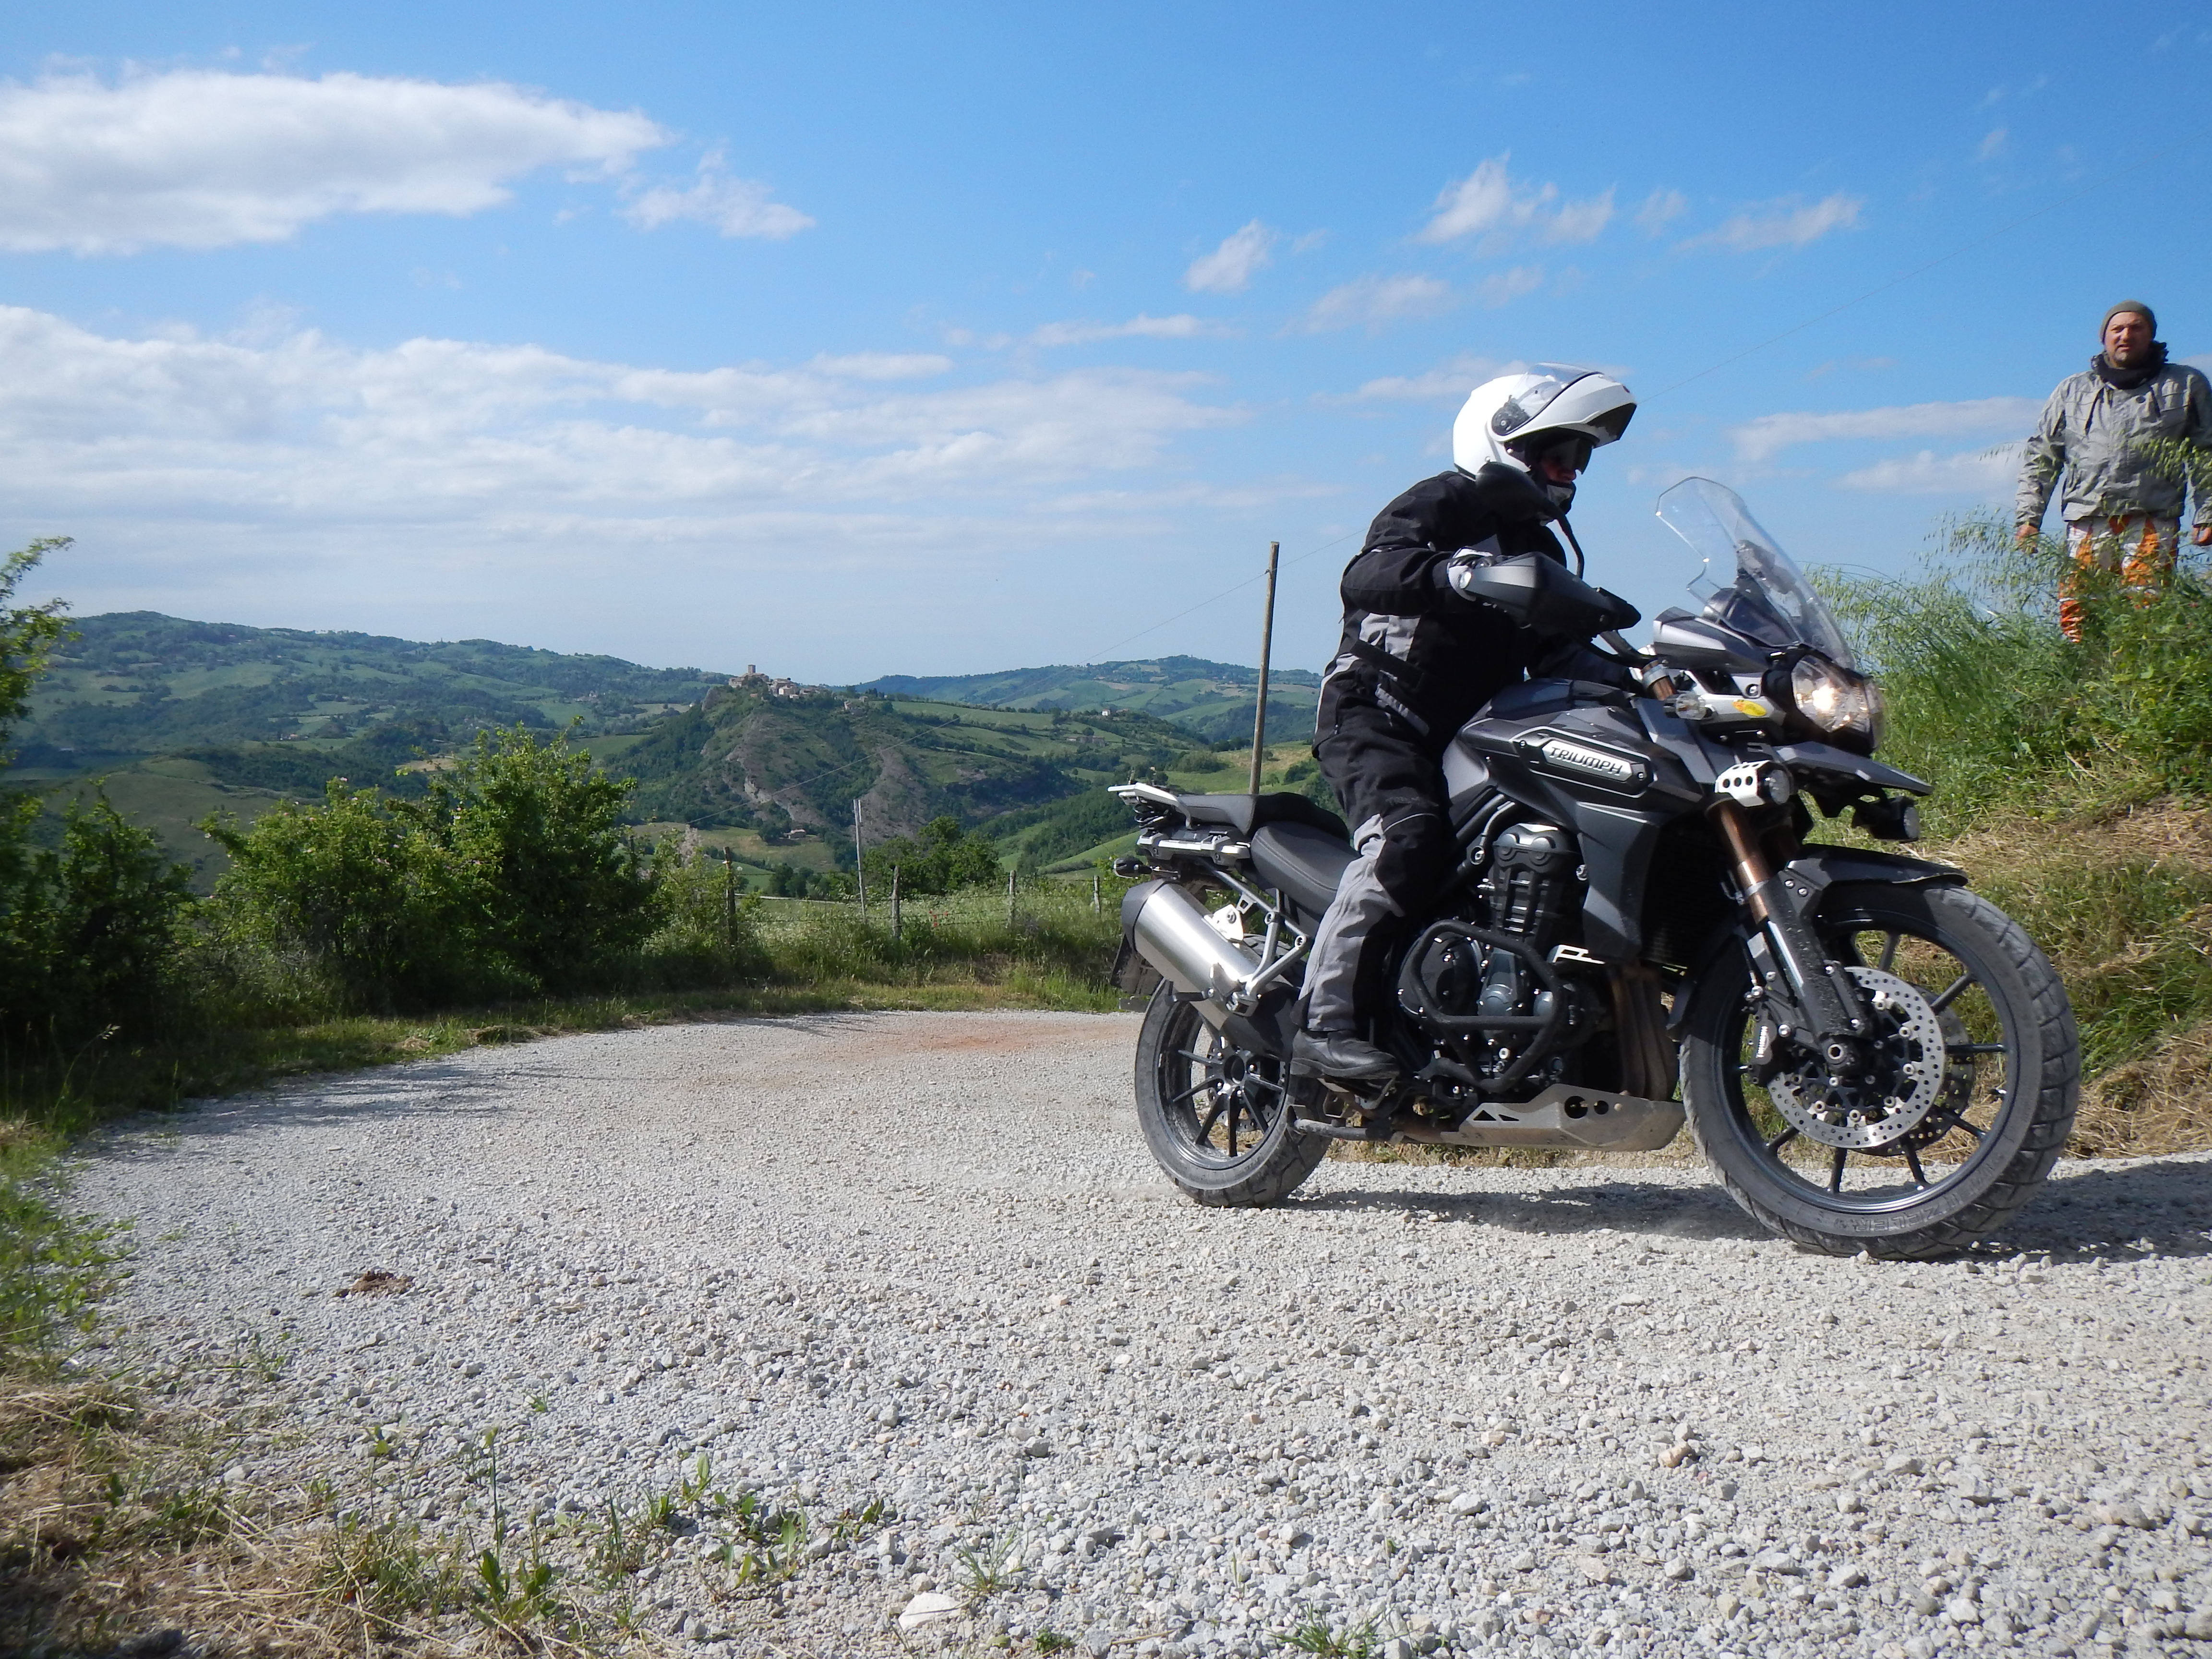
847 339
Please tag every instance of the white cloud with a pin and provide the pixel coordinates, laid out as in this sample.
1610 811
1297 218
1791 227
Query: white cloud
1580 221
1450 381
1488 203
1971 472
1507 286
197 159
1373 302
1768 435
300 430
1660 209
1991 146
882 365
1181 326
736 207
1231 267
1785 224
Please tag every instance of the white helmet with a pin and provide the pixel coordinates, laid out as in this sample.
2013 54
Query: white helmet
1509 421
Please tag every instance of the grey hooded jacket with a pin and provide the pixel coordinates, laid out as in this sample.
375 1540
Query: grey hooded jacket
2093 431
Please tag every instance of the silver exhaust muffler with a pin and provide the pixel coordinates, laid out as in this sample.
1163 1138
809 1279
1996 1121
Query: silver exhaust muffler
1170 931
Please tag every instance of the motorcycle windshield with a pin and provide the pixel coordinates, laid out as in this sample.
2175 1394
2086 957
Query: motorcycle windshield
1769 601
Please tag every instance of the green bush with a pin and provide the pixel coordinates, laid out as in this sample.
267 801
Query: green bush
942 859
88 939
709 934
560 899
513 875
355 895
88 929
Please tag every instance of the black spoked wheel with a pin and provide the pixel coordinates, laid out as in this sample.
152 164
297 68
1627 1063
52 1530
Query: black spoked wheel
1217 1118
1964 1098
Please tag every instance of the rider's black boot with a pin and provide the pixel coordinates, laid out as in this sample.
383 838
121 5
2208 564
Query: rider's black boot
1341 1055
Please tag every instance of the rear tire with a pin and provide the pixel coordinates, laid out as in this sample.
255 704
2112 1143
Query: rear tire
1218 1119
2009 1083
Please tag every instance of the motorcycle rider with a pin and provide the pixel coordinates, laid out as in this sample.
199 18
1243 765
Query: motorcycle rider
1418 657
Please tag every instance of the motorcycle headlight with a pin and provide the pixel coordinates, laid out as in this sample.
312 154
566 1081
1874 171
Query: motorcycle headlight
1843 707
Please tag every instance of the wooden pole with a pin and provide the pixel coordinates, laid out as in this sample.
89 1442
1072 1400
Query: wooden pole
729 900
1010 900
1266 647
1098 907
894 904
860 870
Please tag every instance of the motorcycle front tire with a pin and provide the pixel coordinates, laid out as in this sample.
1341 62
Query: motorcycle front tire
1890 1206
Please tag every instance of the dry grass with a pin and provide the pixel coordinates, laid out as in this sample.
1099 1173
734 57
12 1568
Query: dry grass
2121 900
115 1526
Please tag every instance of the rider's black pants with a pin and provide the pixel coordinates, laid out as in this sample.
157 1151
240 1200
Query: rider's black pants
1392 789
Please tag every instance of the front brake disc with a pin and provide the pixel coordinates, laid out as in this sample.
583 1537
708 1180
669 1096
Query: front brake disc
1900 1084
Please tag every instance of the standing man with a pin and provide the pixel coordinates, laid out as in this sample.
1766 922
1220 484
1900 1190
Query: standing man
1420 654
2122 506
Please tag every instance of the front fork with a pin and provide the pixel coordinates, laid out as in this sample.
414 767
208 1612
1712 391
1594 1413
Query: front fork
1820 1004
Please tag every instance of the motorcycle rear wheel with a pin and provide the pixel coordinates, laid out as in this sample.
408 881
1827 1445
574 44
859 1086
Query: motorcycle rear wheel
2010 1084
1218 1119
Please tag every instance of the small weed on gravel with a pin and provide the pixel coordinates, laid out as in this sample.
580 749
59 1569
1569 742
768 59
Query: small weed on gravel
1317 1636
984 1571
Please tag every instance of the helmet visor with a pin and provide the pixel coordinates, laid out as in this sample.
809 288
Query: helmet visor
1569 447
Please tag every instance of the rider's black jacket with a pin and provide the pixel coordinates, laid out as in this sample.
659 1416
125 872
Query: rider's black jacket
1412 646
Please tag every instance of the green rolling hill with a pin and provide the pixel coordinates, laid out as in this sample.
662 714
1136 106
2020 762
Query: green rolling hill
178 719
1213 699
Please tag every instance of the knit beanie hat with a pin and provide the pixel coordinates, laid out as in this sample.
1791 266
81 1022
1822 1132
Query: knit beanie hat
2135 306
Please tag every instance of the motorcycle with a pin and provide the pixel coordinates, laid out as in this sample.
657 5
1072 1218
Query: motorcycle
1637 934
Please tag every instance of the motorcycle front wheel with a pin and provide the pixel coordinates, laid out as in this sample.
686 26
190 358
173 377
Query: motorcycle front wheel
1972 1079
1218 1119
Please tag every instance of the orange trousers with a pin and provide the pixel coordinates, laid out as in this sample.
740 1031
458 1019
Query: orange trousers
2137 548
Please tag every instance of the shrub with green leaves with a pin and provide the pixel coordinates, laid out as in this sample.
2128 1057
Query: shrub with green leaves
88 929
942 858
89 934
512 875
710 928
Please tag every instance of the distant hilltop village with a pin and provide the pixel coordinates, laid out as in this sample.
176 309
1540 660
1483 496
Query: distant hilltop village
753 680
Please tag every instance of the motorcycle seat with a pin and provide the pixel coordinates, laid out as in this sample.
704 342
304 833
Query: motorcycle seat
1304 862
1236 811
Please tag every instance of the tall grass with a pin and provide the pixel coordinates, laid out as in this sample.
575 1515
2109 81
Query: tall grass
1989 701
1052 933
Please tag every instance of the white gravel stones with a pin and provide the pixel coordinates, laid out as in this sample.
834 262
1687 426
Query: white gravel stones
923 1260
929 1607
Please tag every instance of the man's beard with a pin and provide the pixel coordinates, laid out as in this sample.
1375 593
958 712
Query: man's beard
2127 376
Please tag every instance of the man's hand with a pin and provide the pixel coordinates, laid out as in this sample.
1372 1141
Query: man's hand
2026 534
2201 535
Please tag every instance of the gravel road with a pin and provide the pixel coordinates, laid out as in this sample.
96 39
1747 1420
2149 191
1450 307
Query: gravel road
924 1259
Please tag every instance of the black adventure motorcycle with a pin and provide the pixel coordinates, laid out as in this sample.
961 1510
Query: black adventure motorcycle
1872 1057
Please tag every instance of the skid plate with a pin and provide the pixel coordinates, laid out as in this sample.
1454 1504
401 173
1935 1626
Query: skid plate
1567 1115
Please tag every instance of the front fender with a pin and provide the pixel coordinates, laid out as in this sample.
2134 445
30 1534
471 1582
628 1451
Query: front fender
1819 868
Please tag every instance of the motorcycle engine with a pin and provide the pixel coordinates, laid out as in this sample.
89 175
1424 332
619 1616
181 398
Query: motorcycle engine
1527 890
